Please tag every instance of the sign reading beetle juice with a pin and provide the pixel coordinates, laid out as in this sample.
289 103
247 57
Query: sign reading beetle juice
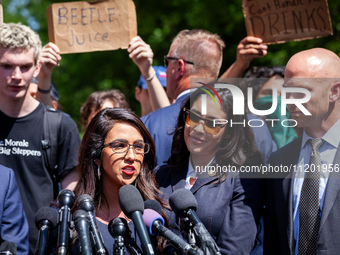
92 26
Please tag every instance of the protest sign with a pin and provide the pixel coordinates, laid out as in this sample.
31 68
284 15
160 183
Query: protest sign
277 21
1 13
92 26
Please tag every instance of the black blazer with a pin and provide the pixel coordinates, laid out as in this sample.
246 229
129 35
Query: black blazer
230 210
278 224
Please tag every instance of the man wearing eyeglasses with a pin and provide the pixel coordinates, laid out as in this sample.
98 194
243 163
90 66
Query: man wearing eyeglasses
192 54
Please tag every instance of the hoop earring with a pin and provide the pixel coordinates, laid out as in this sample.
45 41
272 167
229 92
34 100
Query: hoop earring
99 173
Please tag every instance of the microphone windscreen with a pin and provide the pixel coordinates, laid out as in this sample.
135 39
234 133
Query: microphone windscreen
46 213
85 203
66 197
149 216
130 200
79 214
154 205
118 227
182 200
9 247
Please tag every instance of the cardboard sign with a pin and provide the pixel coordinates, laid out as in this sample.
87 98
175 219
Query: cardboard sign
92 26
1 13
278 21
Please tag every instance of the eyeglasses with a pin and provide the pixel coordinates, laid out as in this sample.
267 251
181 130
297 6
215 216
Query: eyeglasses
192 119
166 62
123 147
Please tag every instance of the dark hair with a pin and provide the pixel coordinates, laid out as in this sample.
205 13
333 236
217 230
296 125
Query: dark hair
256 77
237 143
265 72
96 100
91 148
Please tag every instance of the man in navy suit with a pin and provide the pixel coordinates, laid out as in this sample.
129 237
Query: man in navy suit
13 222
192 54
290 227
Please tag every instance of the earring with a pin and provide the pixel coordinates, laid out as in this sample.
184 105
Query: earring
99 173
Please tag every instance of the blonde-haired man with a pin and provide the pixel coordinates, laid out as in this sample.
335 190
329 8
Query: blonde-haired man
22 129
193 54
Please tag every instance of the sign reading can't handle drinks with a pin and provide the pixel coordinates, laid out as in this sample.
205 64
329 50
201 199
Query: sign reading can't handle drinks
92 26
1 13
278 21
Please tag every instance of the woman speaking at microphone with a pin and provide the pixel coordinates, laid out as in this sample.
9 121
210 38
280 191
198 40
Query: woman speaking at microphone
116 150
207 152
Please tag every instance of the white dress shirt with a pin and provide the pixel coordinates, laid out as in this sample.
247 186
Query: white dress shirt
327 152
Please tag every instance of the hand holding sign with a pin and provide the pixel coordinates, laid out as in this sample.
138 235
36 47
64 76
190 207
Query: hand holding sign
142 55
49 58
249 48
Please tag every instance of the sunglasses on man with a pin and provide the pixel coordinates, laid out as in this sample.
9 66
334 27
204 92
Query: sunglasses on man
166 60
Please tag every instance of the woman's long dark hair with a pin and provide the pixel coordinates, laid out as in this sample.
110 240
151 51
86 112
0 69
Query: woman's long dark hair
91 148
236 146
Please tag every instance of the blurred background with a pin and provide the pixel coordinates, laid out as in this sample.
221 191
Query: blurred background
158 22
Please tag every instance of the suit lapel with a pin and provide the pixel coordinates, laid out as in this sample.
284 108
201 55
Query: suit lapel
332 190
178 177
201 181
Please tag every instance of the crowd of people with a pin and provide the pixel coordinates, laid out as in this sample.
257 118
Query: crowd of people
174 142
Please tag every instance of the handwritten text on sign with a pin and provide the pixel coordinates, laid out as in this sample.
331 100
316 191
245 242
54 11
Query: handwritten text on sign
92 26
284 20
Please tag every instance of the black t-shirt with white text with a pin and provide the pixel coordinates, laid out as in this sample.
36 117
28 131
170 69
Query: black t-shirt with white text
21 150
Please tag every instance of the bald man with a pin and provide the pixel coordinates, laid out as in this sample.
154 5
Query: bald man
303 209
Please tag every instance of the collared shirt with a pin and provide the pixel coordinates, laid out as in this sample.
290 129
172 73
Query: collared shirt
192 173
327 152
185 92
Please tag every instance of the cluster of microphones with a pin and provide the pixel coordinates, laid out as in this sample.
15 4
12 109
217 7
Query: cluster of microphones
146 217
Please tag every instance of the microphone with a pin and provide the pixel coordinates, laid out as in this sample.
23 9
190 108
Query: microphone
66 202
131 203
120 231
184 204
8 248
154 205
155 225
46 219
169 249
85 203
82 225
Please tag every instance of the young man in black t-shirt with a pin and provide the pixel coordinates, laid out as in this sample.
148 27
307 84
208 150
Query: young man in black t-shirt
21 129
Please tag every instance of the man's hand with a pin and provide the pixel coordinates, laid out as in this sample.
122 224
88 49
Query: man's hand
49 59
142 55
249 48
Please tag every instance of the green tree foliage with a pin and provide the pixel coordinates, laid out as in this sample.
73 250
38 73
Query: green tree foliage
158 22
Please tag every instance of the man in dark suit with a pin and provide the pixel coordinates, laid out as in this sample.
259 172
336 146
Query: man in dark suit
13 222
302 208
192 54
